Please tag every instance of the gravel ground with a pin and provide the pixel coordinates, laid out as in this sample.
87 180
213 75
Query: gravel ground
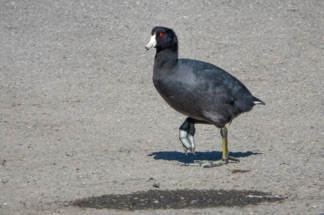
80 118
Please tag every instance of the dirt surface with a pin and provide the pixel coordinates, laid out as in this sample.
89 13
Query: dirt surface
80 118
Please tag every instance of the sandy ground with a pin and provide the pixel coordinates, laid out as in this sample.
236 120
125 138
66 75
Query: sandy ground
79 115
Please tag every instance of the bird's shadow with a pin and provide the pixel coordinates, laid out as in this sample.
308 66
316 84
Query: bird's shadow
198 156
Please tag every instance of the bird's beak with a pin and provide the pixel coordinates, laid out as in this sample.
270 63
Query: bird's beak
152 43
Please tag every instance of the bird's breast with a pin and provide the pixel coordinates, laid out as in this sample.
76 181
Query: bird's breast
178 97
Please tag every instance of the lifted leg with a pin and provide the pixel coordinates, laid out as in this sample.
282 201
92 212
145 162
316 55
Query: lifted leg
186 135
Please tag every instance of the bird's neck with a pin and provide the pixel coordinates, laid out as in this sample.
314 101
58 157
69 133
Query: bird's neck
165 59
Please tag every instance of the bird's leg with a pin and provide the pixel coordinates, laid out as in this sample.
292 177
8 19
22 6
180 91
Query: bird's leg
186 135
223 133
225 156
225 152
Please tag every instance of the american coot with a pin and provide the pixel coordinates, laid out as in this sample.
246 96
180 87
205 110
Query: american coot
202 91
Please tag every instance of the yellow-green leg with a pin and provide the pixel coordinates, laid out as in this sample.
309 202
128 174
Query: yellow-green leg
225 152
225 156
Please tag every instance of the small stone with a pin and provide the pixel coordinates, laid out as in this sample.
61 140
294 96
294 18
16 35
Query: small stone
4 180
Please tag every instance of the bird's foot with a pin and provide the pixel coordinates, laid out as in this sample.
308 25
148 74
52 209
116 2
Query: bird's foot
187 141
209 164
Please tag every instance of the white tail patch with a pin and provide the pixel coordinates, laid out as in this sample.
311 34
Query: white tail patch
258 103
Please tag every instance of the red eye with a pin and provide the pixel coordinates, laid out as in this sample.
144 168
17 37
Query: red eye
162 34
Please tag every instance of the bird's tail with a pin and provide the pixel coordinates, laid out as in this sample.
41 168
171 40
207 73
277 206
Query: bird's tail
257 101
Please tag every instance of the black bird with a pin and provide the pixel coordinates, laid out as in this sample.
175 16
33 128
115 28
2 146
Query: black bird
202 91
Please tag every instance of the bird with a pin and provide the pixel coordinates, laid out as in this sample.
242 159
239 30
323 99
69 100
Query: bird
202 91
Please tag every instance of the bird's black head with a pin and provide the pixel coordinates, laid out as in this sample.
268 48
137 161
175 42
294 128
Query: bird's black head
163 38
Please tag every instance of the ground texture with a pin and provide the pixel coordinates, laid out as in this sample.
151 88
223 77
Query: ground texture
81 122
